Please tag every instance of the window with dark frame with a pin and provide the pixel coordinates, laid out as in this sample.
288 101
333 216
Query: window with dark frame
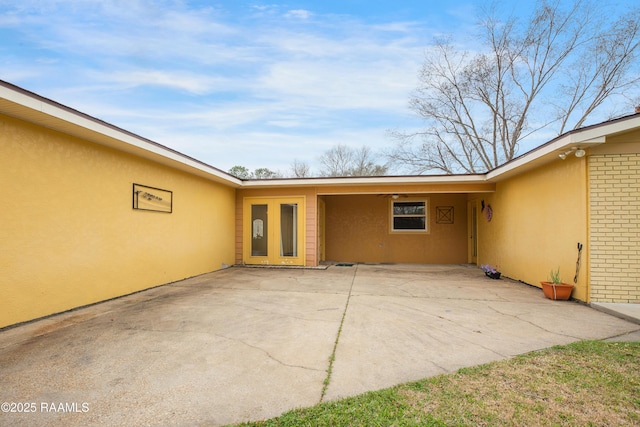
409 215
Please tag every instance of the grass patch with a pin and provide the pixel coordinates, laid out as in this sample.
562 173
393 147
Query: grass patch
588 383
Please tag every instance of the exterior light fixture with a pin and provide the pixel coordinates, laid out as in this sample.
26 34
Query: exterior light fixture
578 152
395 196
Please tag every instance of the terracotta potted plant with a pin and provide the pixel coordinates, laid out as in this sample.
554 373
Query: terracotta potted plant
555 289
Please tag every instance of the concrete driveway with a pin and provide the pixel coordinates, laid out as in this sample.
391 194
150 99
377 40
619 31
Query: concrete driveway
250 343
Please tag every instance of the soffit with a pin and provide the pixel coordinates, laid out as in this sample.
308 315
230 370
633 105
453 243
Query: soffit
382 185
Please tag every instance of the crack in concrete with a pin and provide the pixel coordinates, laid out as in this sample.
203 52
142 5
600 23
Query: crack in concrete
289 316
442 368
454 323
533 324
399 287
495 294
499 312
234 339
633 331
431 297
275 359
332 358
287 291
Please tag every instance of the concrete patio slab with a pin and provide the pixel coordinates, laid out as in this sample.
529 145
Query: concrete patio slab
630 312
405 323
246 344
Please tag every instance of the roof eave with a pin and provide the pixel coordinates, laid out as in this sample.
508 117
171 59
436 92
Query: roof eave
30 107
22 104
364 180
584 138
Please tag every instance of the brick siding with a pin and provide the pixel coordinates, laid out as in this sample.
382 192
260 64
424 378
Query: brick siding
615 227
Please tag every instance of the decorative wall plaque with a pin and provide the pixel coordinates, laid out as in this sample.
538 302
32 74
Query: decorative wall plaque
444 214
152 199
488 213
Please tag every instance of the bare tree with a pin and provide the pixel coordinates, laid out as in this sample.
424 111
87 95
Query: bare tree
554 70
603 70
300 169
336 161
342 160
364 163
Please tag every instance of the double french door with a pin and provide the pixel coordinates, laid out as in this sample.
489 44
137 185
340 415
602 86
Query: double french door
273 230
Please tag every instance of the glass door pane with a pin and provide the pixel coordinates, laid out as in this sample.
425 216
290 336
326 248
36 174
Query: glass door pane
289 230
259 228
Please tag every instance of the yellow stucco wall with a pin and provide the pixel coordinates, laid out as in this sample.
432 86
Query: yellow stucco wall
538 219
70 236
358 230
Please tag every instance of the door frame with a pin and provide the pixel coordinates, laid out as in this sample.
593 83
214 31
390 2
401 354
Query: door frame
321 244
472 231
273 256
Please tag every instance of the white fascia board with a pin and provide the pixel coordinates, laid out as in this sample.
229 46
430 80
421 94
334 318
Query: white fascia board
539 154
599 131
589 136
377 180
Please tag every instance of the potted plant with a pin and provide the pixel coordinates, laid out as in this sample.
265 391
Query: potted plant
554 289
490 272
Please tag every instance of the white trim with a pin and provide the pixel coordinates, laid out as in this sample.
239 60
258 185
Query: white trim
392 216
368 180
53 115
588 137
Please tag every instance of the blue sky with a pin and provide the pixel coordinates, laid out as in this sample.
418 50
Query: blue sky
257 84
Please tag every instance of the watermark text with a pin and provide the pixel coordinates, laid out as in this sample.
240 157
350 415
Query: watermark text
45 407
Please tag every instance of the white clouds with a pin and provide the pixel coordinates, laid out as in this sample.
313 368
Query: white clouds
341 85
298 14
191 82
210 81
